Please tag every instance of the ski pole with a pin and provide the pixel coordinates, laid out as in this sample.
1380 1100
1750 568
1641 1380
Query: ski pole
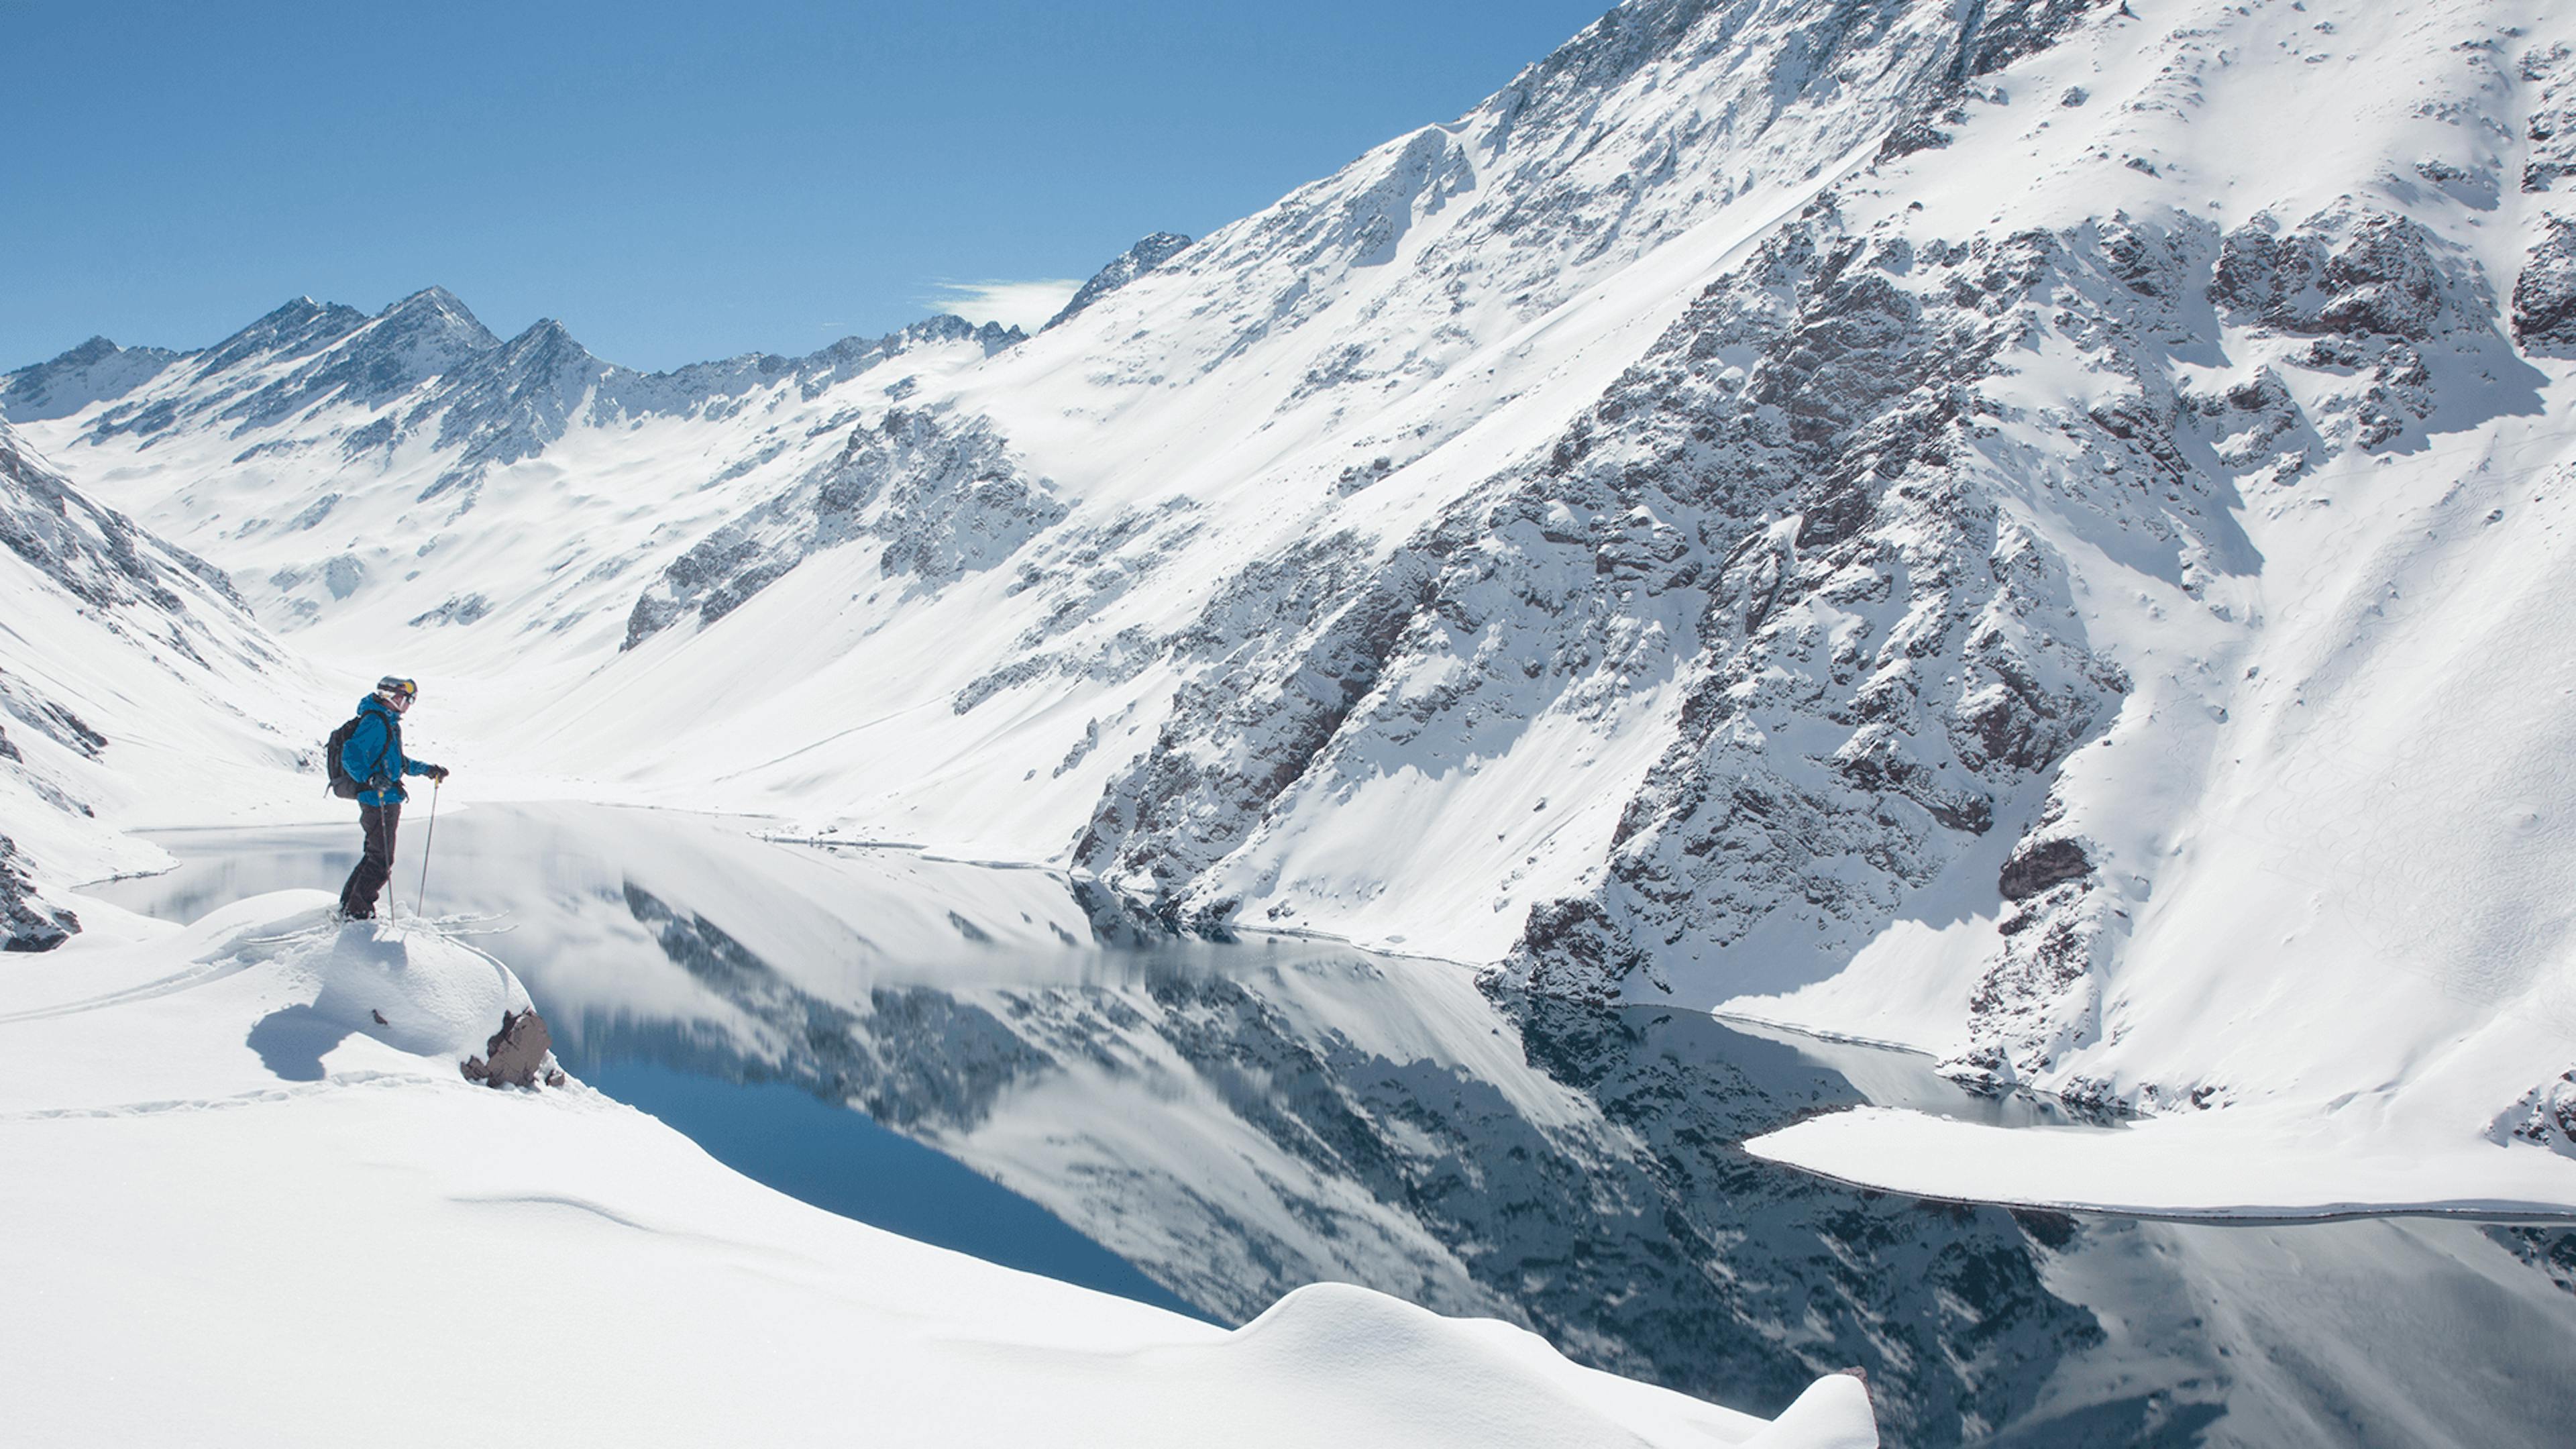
428 839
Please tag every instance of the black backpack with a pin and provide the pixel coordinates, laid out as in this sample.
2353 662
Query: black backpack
340 783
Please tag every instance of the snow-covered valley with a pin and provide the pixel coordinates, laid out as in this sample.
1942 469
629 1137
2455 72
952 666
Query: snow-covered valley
2031 532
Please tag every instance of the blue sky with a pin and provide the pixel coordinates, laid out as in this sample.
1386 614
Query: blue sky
674 181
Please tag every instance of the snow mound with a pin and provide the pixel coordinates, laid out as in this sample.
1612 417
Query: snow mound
405 984
1481 1380
437 997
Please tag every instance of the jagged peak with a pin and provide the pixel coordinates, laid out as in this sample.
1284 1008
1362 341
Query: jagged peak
298 312
292 315
1152 251
97 349
543 330
546 340
299 323
937 327
436 311
949 327
432 299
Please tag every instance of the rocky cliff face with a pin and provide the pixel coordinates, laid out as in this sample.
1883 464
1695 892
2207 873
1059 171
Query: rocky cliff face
1833 522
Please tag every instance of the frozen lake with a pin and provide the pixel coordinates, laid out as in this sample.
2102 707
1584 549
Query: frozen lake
998 1061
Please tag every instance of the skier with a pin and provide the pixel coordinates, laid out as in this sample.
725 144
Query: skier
374 758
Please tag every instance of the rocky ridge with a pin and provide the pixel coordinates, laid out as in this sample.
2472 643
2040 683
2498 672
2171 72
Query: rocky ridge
946 498
1136 261
424 368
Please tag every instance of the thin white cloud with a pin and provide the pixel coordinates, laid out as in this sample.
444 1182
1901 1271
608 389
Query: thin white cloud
1025 305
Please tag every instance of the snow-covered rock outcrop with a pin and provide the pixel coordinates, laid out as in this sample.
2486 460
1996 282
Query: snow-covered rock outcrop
948 499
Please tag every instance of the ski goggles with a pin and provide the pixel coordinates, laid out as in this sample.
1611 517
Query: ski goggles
401 689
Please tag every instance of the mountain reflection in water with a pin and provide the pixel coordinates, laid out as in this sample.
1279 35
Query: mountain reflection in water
1234 1121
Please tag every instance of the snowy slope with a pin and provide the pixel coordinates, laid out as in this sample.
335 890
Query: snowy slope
416 1259
334 458
135 689
2022 529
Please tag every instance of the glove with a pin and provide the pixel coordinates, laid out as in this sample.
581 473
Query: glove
437 774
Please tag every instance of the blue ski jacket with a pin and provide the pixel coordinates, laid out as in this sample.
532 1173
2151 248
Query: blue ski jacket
374 755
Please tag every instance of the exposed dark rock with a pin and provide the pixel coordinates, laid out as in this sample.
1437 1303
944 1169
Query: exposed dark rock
27 923
1990 36
2039 863
2374 274
2544 296
2546 1115
1294 645
49 719
2551 130
1570 948
520 1054
1802 483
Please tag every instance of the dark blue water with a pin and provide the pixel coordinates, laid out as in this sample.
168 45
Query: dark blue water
1019 1068
843 1162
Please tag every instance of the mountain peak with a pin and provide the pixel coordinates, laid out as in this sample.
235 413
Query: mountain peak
432 329
435 304
546 338
1136 261
295 309
97 349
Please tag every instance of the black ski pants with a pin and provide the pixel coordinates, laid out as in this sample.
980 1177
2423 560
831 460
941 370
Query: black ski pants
380 823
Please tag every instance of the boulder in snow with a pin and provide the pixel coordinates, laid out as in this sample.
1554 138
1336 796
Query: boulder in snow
2039 863
520 1054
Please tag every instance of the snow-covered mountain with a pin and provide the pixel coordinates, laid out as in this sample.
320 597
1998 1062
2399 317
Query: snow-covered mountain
2025 529
134 689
